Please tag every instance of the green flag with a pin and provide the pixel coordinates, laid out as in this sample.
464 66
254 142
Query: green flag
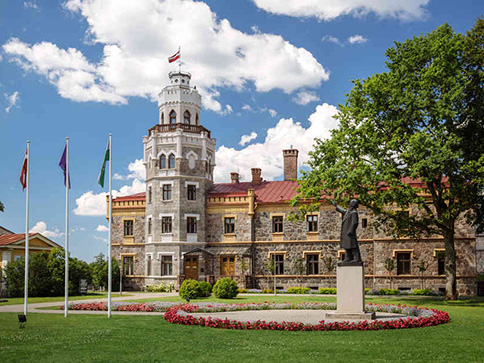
100 179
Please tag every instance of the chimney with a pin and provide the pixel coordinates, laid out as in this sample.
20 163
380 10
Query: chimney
235 177
290 163
256 178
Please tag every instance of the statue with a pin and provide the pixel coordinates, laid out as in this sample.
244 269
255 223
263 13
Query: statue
348 239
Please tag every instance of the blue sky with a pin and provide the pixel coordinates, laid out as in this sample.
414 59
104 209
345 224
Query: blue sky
272 74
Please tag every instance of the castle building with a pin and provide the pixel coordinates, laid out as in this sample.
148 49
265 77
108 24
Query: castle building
185 226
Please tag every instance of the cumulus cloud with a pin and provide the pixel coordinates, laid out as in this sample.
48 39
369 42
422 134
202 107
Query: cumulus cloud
245 139
268 154
328 10
304 97
41 227
102 228
11 100
357 39
92 204
331 39
247 107
136 38
31 5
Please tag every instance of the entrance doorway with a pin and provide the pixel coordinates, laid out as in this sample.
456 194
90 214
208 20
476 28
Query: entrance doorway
227 265
191 267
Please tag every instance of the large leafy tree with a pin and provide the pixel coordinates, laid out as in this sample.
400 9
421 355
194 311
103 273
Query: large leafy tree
420 120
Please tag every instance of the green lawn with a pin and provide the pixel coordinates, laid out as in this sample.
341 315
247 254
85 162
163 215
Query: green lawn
33 300
149 338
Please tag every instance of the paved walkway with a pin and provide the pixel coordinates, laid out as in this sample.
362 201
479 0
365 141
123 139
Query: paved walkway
36 308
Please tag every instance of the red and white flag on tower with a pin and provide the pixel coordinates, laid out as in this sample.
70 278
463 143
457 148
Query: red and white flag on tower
23 173
174 57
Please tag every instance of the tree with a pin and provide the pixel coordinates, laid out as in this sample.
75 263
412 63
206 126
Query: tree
299 265
389 267
99 272
422 266
2 207
420 121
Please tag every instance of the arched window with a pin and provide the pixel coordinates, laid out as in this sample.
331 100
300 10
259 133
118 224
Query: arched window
197 122
171 161
162 162
162 119
173 117
186 117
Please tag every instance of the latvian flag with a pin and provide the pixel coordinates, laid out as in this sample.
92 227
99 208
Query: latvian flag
174 57
23 173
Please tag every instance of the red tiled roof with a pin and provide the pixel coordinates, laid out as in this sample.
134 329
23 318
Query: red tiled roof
139 196
7 239
267 192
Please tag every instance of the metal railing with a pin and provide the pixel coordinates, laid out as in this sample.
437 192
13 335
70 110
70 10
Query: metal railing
194 129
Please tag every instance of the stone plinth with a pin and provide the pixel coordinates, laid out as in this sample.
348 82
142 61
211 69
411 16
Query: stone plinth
350 294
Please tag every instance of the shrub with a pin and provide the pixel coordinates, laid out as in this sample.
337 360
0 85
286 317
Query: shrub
327 290
161 288
389 291
367 290
267 291
243 291
298 290
426 292
190 289
225 288
205 289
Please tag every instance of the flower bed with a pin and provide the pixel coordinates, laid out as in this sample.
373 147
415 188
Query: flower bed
417 317
122 306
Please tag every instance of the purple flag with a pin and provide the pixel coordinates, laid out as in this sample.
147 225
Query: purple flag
63 166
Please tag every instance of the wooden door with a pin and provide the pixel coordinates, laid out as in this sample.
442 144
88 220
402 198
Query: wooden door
227 265
191 267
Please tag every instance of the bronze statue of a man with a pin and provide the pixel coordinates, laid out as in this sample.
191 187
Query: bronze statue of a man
348 239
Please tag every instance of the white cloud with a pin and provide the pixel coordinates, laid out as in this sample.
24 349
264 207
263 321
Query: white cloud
31 5
245 139
332 9
91 204
138 36
357 39
331 39
102 228
304 97
11 100
272 112
246 107
268 154
41 227
77 229
100 238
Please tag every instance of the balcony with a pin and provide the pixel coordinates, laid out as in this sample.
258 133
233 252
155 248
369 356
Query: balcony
194 129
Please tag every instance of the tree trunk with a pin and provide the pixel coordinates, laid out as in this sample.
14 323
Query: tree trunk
450 266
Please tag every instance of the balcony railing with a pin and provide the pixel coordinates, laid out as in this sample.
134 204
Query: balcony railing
194 129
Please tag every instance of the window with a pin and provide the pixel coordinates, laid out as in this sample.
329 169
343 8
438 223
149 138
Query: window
197 119
162 118
162 162
279 264
150 194
128 227
191 224
364 223
173 117
191 192
229 225
171 161
166 225
166 265
149 225
403 263
312 264
441 265
312 222
128 264
186 117
148 265
166 191
277 224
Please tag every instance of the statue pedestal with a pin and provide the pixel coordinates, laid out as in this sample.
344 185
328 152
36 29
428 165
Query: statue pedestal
350 293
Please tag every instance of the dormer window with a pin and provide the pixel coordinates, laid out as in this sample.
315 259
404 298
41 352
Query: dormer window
171 161
186 117
173 117
162 162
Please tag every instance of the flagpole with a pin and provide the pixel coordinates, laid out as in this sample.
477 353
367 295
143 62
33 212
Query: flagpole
26 286
179 59
110 224
67 182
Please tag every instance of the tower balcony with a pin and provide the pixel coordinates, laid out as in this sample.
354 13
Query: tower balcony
194 129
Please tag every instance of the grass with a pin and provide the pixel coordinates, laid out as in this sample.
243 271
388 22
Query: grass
49 337
34 300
